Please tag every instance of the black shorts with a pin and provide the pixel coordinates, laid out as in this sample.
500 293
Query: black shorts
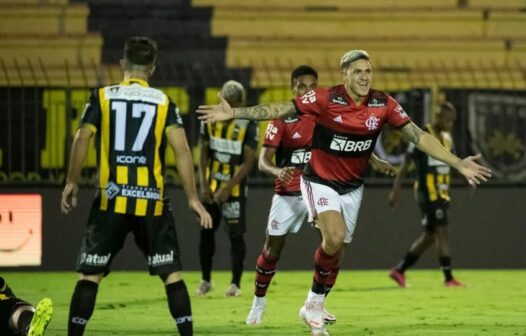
434 214
233 214
7 307
106 232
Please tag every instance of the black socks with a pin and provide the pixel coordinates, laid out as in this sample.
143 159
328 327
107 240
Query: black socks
81 308
180 308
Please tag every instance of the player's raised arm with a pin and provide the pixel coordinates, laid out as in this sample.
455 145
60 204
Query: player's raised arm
472 171
223 111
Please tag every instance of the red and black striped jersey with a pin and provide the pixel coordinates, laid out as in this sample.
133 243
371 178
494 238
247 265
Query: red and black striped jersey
345 134
292 138
130 120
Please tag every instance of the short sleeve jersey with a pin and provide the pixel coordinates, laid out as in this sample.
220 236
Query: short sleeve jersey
226 141
345 134
131 119
292 138
433 176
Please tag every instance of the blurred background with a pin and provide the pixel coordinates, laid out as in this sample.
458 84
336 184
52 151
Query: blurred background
469 52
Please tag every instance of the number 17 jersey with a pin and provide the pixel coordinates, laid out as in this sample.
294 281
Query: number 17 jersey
131 120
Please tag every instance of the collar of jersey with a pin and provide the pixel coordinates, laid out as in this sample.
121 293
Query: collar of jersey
129 81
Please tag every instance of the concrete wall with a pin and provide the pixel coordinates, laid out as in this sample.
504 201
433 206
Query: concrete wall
488 230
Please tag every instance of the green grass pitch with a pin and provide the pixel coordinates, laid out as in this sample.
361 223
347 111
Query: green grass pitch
365 303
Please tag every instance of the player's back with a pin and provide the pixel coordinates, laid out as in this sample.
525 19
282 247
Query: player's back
131 119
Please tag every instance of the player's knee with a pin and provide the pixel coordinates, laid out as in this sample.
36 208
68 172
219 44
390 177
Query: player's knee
333 242
96 278
274 246
171 277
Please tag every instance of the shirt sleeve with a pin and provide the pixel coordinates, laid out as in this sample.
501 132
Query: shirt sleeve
173 117
274 133
396 116
92 115
313 102
252 136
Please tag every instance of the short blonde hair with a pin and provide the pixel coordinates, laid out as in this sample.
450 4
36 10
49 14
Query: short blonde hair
234 93
353 55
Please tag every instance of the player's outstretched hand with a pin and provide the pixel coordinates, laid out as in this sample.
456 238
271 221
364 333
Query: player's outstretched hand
204 217
213 113
286 174
472 171
70 190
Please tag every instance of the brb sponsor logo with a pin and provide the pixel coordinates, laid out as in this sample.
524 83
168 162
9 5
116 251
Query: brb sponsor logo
342 144
161 259
94 259
300 156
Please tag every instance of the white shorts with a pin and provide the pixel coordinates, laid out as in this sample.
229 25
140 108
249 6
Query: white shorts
287 214
320 198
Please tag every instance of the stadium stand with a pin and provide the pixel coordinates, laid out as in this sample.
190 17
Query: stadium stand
56 43
189 54
463 44
46 43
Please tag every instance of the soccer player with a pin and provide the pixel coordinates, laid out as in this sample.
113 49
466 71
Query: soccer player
20 318
349 119
133 123
289 142
228 152
432 194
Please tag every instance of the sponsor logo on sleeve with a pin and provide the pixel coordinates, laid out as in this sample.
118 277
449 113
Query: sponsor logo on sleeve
400 110
271 132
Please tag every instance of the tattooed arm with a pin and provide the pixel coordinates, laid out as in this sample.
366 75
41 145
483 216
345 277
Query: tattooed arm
223 111
265 112
429 144
473 172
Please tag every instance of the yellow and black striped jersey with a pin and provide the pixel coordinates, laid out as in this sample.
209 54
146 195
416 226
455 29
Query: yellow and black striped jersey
131 119
225 150
433 179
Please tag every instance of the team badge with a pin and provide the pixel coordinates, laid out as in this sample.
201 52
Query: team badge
494 124
372 123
